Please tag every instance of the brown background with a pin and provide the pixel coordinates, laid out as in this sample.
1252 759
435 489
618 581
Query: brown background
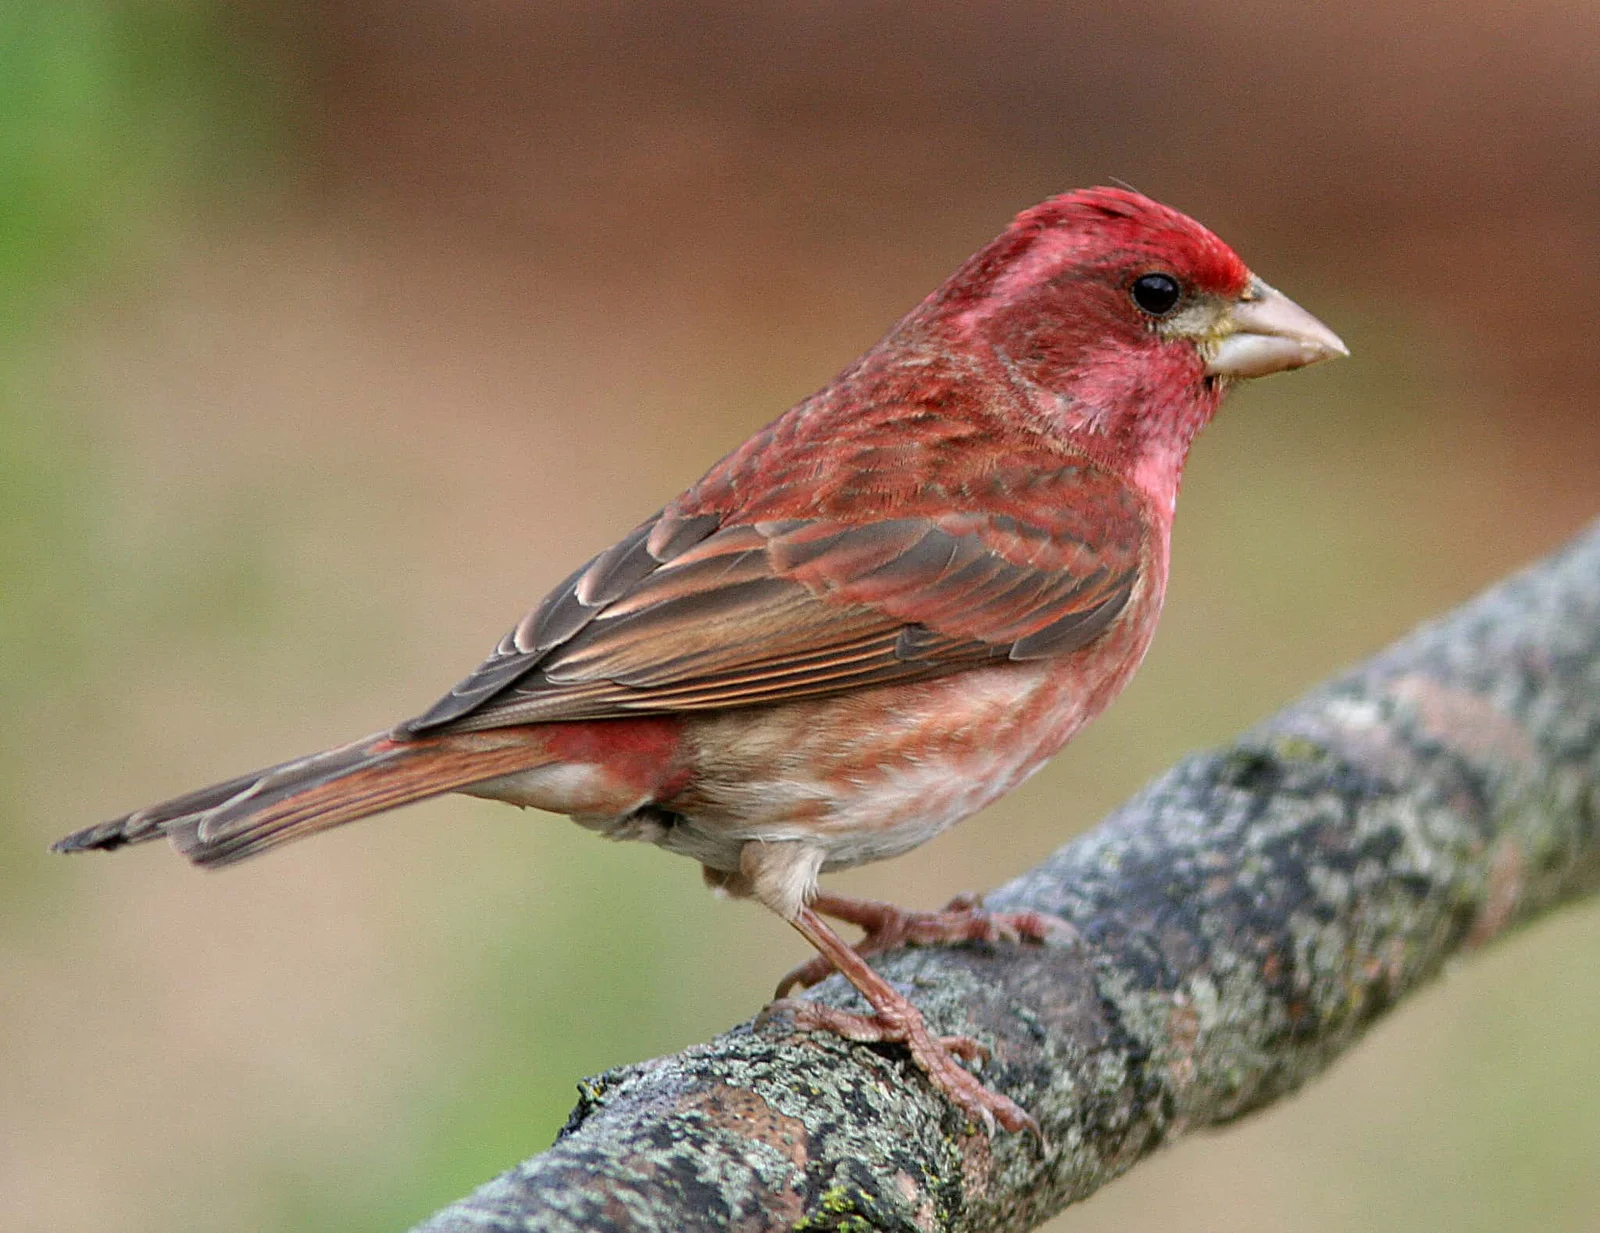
372 319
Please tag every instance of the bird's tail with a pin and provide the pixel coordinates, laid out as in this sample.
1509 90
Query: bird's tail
230 821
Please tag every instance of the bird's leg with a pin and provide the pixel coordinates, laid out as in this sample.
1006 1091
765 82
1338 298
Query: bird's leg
896 1019
887 926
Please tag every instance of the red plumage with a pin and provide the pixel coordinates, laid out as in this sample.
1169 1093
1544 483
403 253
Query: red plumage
885 609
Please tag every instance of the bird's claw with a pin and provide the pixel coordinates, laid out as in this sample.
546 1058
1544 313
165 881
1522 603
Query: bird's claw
965 1048
935 1056
803 976
961 920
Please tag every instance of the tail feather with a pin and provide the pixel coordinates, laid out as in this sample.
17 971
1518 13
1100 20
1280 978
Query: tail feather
242 817
151 823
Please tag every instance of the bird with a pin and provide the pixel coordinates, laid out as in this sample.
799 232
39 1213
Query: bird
884 610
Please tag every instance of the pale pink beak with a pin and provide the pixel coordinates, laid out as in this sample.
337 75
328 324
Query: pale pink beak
1271 333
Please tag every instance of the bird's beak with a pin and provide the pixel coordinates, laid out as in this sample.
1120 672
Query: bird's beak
1267 332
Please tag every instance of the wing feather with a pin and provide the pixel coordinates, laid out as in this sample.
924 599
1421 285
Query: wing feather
695 610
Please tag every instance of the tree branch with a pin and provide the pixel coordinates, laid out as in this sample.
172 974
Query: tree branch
1239 924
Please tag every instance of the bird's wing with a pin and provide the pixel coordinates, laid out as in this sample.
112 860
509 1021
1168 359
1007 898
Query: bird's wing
688 612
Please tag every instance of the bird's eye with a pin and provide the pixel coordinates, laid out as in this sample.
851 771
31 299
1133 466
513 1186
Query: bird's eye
1156 294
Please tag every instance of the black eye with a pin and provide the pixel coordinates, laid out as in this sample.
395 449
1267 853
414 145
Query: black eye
1156 294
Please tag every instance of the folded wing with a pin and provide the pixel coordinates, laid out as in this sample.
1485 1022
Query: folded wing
692 612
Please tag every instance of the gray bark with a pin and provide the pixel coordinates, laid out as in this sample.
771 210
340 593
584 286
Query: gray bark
1239 924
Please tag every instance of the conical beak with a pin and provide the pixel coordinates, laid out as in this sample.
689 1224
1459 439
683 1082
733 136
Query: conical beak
1267 332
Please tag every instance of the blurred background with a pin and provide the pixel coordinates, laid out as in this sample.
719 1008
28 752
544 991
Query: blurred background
332 335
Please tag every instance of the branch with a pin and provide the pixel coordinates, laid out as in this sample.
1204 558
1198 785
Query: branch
1240 923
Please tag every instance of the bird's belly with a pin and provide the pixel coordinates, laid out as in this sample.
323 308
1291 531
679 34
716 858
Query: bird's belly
873 774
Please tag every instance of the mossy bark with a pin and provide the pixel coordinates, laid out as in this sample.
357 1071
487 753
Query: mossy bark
1238 925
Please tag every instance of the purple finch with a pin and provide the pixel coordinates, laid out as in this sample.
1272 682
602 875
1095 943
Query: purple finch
887 608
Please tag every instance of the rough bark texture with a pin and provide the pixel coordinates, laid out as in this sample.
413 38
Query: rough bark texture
1239 924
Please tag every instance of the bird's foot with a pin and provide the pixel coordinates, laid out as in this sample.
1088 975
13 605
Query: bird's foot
894 1018
887 926
935 1056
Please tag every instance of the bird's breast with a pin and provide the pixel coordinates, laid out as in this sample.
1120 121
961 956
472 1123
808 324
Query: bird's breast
873 773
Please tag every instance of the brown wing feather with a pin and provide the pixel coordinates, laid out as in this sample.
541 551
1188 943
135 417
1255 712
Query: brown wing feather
685 614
